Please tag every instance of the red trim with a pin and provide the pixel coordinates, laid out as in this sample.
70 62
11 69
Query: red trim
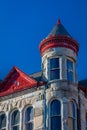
58 41
17 81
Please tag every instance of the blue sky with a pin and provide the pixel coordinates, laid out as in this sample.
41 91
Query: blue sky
24 23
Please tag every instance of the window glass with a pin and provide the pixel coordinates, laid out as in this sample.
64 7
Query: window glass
55 107
54 63
70 76
86 121
29 126
54 69
70 70
29 116
56 123
15 120
55 115
69 64
54 74
2 121
15 128
72 116
15 117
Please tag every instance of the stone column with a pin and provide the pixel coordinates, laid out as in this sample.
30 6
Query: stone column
21 119
7 120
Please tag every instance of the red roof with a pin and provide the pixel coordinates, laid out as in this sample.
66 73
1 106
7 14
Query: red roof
17 81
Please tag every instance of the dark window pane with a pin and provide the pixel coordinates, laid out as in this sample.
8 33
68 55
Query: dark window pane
69 65
86 119
55 107
56 123
74 127
15 117
55 74
15 128
54 63
73 109
70 76
2 120
29 126
29 114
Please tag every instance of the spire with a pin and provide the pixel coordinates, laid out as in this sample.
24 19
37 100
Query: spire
58 22
59 29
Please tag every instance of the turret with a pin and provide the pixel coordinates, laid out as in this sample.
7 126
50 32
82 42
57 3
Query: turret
59 55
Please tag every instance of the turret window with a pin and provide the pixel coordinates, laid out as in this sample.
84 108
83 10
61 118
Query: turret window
54 69
70 70
55 115
2 121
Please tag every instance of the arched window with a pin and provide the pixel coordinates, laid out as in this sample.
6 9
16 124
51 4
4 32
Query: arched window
86 122
29 116
72 116
15 120
2 121
55 115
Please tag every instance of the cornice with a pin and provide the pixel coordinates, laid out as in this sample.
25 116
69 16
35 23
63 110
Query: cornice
58 41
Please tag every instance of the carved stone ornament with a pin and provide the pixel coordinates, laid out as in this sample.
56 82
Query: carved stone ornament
4 107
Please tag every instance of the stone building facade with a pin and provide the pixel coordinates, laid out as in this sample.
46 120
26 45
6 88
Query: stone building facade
51 99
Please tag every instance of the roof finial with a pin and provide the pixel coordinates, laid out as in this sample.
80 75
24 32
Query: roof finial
58 22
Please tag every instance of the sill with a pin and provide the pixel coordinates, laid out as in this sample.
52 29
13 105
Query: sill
62 80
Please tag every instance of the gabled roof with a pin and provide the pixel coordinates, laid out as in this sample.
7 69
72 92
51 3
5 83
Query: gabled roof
17 81
83 85
59 29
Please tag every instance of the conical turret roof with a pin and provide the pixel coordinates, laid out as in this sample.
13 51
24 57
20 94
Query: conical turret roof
59 37
59 29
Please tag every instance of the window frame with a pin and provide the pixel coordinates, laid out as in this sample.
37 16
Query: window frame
27 122
60 115
18 124
74 119
56 68
3 113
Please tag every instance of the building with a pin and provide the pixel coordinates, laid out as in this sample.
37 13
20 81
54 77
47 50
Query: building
52 99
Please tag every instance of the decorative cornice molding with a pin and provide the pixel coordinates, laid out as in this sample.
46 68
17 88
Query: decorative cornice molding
58 41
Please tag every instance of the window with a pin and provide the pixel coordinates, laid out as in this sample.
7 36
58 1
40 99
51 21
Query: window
2 121
54 69
29 116
72 115
86 121
55 115
15 120
69 70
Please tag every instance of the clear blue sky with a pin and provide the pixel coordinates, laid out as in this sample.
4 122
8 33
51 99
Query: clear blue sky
24 23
